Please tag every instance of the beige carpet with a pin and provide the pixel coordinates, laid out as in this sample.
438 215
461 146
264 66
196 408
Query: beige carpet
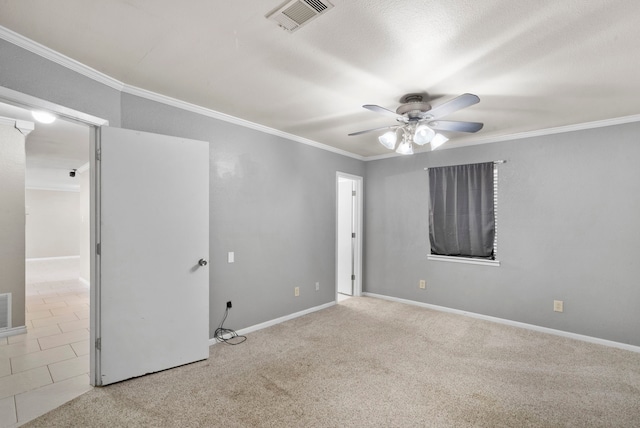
372 363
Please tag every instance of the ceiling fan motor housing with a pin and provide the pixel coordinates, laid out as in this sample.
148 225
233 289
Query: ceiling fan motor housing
413 110
413 107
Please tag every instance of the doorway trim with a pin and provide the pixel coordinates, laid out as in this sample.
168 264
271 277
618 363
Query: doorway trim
26 101
358 223
19 99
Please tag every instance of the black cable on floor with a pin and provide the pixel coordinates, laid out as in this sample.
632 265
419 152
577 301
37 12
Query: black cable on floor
232 337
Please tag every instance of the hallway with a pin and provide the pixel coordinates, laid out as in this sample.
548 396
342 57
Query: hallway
49 365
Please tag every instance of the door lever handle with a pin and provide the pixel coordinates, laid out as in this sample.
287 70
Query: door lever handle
202 262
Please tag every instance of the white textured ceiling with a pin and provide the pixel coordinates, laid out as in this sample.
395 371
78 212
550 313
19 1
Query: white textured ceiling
534 64
52 150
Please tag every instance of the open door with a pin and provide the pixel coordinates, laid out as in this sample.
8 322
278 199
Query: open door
152 245
348 234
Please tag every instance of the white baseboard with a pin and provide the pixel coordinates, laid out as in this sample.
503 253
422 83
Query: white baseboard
37 259
84 281
533 327
277 321
13 331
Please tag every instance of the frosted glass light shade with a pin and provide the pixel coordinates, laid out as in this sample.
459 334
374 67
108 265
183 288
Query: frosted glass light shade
423 135
388 139
438 140
405 148
43 116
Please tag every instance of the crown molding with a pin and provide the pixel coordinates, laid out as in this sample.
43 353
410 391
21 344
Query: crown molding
58 58
527 134
24 126
152 96
552 131
387 156
83 168
78 67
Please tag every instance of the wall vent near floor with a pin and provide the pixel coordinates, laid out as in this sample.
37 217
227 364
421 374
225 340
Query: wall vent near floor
294 13
5 310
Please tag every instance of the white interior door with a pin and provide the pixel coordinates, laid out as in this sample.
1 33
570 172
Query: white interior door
345 236
152 293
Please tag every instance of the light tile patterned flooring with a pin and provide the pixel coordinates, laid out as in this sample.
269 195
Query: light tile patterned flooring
49 365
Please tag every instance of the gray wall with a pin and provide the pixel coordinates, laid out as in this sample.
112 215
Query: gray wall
272 200
52 223
12 167
28 73
567 227
272 204
568 230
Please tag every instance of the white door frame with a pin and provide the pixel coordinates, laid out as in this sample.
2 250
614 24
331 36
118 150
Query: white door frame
27 101
358 215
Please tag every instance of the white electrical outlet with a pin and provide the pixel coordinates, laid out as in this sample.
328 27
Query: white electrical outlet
423 284
317 286
558 305
296 291
231 257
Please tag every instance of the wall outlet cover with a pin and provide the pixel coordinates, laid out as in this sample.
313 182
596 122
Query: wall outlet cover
558 305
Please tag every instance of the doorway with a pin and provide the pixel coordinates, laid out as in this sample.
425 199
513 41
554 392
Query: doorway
79 119
348 235
57 251
116 231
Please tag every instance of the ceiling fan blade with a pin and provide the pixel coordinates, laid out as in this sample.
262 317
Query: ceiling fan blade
450 125
382 110
455 104
371 130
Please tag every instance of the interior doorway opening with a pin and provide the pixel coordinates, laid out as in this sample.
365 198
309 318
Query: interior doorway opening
58 250
349 200
87 122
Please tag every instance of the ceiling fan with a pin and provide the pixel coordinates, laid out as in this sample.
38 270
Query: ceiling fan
418 122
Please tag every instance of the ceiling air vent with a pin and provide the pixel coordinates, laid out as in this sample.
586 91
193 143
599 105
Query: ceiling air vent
293 14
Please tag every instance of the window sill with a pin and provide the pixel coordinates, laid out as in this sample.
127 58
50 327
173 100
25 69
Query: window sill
466 260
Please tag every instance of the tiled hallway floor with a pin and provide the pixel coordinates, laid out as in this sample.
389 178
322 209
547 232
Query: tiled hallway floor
49 365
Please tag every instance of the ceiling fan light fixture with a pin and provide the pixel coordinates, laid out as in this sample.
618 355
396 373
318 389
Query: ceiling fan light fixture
405 147
423 135
420 122
438 140
388 139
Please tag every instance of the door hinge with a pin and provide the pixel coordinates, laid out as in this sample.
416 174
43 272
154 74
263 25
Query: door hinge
353 193
99 154
353 235
99 344
98 249
353 277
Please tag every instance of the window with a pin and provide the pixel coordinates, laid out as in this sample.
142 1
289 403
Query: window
462 212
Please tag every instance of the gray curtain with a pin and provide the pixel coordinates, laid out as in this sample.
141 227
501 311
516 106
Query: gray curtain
461 217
